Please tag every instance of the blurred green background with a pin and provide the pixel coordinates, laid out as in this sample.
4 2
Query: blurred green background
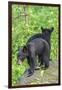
27 21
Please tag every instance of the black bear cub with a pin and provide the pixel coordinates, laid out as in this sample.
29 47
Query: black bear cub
36 46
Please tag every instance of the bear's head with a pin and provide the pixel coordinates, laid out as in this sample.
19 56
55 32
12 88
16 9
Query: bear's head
47 31
22 54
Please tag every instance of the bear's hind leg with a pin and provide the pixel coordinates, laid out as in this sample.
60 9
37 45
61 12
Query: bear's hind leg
45 59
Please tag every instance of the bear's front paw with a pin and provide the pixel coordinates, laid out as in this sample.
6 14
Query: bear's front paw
28 72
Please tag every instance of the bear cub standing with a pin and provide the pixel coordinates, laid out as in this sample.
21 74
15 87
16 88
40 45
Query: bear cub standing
36 46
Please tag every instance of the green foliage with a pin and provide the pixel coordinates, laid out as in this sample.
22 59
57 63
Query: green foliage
38 16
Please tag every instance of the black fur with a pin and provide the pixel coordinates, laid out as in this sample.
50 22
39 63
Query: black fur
37 45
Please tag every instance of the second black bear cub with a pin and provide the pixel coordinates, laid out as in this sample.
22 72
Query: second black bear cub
46 35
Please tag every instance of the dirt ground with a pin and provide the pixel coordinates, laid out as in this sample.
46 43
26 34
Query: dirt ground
40 76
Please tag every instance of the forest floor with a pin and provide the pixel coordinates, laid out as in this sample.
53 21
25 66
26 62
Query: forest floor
48 76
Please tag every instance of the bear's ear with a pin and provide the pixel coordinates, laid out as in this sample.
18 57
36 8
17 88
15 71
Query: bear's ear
24 48
42 29
52 28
